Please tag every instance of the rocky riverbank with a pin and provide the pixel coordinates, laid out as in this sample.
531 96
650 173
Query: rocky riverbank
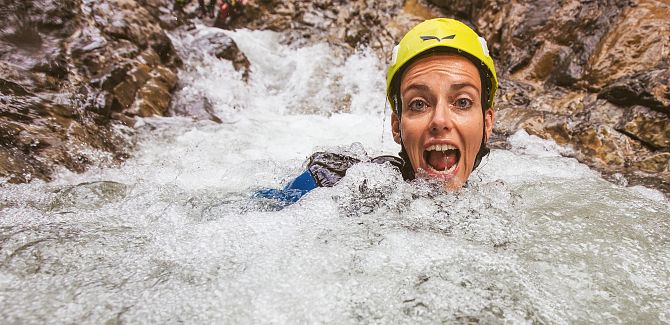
591 75
74 75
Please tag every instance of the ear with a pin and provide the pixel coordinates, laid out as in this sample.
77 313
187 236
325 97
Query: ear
395 127
489 118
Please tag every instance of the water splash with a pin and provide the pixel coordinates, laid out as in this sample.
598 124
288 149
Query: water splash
174 234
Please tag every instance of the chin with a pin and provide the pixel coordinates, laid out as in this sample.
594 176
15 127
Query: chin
450 179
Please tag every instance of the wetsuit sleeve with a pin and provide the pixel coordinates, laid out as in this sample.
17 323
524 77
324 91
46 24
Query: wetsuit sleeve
292 192
329 168
324 169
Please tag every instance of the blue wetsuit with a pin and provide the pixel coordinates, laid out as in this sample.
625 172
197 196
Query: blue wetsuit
325 169
292 192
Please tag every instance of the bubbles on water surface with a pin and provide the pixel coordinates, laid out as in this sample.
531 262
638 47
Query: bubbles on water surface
90 195
480 213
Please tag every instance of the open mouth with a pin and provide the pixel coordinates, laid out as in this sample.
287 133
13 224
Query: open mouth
442 158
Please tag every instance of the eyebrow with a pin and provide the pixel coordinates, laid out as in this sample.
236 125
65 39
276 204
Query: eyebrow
420 87
460 86
456 86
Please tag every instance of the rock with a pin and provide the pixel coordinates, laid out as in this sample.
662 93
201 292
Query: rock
602 145
655 164
226 49
200 108
37 136
347 25
648 88
218 44
73 71
637 43
649 127
88 196
460 8
153 99
551 42
509 121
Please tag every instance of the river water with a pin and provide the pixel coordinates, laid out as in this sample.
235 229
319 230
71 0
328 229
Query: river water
174 234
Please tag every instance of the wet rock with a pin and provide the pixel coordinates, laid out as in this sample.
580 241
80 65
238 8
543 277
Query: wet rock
226 49
212 43
511 120
460 8
546 41
53 66
649 127
72 72
8 87
637 43
37 136
138 90
200 109
153 99
602 144
649 88
347 25
88 196
655 164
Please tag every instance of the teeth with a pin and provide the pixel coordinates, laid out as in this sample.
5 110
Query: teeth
447 171
440 147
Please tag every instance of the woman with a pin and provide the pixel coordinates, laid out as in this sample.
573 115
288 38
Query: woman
440 84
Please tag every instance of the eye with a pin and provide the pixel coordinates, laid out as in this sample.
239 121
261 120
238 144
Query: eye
463 103
417 105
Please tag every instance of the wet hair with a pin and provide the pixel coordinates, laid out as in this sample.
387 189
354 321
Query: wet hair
484 76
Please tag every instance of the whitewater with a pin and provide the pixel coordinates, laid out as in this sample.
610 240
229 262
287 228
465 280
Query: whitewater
175 235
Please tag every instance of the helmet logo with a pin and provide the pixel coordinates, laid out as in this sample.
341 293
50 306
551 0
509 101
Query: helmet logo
425 38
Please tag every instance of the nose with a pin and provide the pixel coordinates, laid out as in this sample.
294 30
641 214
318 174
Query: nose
441 121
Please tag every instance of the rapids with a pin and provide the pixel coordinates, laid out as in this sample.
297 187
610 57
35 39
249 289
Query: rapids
174 234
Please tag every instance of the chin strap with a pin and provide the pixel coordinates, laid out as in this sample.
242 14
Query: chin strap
407 170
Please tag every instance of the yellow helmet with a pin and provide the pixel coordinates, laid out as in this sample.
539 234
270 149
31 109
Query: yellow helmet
447 33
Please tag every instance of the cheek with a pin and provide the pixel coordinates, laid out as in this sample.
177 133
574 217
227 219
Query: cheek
410 131
411 137
472 130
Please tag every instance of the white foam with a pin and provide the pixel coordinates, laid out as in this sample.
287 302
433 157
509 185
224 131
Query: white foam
652 194
173 235
522 142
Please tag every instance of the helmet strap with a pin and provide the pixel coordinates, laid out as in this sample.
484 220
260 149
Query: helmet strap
407 170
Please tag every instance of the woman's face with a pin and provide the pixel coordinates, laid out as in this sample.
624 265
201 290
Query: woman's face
442 123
